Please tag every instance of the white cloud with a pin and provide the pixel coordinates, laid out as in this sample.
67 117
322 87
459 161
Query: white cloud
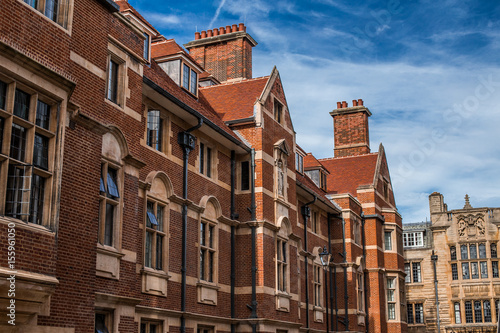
162 20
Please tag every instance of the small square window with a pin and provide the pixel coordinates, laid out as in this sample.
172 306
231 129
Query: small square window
154 130
205 159
388 240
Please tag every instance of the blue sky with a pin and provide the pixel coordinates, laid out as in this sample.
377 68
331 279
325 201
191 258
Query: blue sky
428 70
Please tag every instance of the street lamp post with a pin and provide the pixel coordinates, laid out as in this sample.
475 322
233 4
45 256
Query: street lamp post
325 262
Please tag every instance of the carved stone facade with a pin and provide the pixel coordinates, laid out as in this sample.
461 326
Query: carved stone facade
463 245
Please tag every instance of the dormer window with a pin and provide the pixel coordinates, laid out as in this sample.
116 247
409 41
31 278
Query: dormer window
318 177
189 79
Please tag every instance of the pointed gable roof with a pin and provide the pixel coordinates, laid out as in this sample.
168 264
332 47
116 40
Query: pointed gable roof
235 100
125 7
348 173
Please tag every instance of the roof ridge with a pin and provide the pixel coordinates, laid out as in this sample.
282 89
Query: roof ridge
164 41
227 83
340 157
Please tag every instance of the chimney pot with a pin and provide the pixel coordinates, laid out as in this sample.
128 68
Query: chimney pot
216 32
360 102
339 105
209 33
234 28
242 27
222 31
196 35
228 29
203 34
354 102
344 104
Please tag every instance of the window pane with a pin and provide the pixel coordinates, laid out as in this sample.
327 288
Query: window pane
487 312
408 272
468 312
32 3
159 217
43 115
154 129
1 132
419 313
108 225
463 252
51 7
410 313
113 81
211 236
185 77
465 271
112 183
202 263
453 253
194 79
392 310
454 271
149 245
41 152
36 203
416 272
16 202
209 162
484 269
146 46
202 234
494 269
3 94
478 314
482 251
21 104
202 157
474 270
493 248
245 175
458 320
473 251
388 241
159 252
210 266
151 218
18 142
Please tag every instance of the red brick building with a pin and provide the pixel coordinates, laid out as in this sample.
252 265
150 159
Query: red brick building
146 188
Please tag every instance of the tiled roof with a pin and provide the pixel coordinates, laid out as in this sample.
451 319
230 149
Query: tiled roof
156 74
311 162
348 173
235 100
165 48
126 7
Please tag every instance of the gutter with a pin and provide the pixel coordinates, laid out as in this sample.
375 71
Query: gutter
187 141
306 213
193 112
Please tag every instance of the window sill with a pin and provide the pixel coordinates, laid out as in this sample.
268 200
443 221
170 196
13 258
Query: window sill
207 292
26 225
154 282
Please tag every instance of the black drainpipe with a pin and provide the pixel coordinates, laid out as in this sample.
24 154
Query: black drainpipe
234 216
346 296
253 228
188 143
330 274
365 273
306 213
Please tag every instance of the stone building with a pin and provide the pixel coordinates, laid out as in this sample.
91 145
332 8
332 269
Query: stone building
458 249
146 187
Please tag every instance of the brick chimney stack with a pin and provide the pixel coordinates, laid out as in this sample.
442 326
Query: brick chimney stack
226 53
351 129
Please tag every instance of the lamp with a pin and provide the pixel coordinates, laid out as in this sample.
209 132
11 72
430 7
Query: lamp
325 258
